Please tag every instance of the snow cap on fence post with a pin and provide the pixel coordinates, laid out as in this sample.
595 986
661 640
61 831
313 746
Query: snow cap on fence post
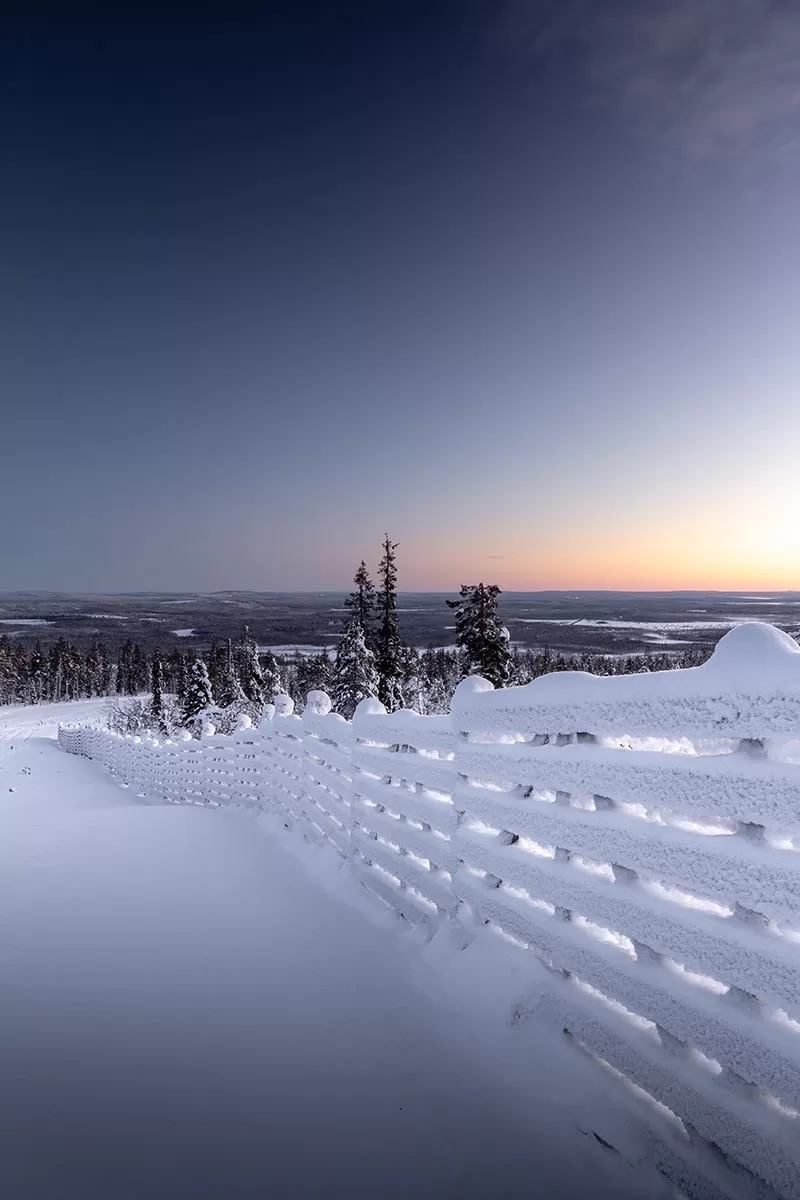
471 686
243 722
284 706
319 703
755 653
267 715
370 706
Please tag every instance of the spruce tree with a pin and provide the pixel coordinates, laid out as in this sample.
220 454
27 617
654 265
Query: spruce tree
387 638
156 685
438 694
313 674
9 675
361 602
90 684
57 668
480 637
177 674
227 686
214 661
140 671
73 670
125 674
105 670
414 690
354 673
198 691
37 674
271 677
250 674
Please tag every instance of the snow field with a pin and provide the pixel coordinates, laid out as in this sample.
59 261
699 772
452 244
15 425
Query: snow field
196 1003
658 886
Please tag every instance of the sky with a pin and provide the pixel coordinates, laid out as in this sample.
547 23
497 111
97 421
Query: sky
515 281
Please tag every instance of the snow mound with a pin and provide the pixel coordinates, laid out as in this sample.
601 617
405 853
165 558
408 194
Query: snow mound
756 654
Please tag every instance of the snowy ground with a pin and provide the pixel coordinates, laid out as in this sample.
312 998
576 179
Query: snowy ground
190 1009
19 722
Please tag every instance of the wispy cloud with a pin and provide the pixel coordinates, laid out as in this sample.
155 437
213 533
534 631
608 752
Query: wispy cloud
715 76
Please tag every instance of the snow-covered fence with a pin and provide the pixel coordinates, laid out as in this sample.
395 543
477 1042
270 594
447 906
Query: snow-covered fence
403 816
326 794
217 769
636 834
639 835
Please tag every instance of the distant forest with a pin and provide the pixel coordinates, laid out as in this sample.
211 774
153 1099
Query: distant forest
370 659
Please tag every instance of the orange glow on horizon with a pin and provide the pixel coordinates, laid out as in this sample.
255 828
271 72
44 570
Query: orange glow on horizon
736 559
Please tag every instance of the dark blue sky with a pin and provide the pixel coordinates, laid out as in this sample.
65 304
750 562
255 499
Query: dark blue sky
516 281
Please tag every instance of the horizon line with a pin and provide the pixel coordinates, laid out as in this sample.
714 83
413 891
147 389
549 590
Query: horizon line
572 591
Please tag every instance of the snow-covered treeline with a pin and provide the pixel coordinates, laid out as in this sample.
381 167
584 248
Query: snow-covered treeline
63 671
427 677
639 834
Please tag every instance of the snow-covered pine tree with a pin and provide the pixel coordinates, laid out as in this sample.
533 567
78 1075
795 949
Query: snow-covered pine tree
414 690
73 669
140 670
56 667
271 675
106 671
37 674
361 601
198 691
314 673
249 668
10 681
215 656
436 691
124 670
354 673
387 637
259 678
177 674
437 697
90 674
480 636
228 689
157 685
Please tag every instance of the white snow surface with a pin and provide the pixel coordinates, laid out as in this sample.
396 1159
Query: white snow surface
18 722
301 650
749 688
655 626
183 632
197 1003
24 621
